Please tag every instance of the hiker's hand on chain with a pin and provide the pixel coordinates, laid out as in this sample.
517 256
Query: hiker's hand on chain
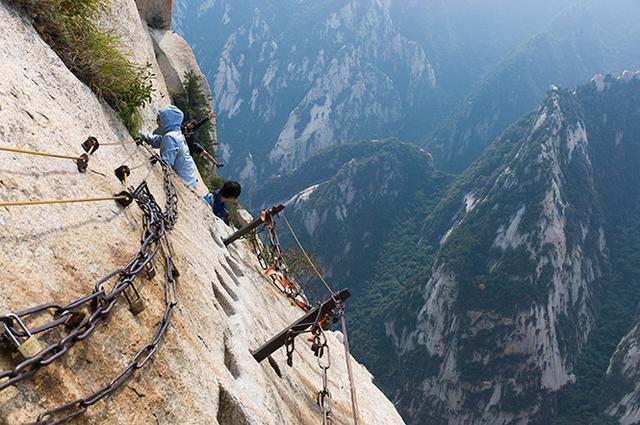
144 138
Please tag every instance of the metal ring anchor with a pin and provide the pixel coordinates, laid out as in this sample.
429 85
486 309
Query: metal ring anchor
124 198
90 145
122 173
83 162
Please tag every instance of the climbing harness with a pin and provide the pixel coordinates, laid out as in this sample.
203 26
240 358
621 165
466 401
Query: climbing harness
77 320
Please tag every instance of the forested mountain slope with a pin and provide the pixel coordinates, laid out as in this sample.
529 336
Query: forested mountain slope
505 292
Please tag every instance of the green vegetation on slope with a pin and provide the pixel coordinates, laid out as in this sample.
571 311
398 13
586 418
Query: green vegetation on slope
599 186
393 294
360 192
377 249
70 27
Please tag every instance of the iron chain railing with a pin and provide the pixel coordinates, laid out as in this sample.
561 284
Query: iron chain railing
78 319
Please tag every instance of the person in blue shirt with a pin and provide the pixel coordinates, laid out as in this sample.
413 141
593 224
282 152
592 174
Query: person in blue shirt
171 142
219 200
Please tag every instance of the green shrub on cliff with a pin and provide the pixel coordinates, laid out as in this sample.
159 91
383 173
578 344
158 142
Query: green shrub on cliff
93 55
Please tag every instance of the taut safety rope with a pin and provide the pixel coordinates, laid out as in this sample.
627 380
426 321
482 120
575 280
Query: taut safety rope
119 197
81 161
48 155
315 269
322 394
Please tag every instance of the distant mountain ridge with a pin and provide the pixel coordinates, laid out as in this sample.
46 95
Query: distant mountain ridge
290 84
506 294
525 274
349 200
338 71
592 37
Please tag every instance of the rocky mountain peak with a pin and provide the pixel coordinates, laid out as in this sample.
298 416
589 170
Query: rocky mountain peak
510 301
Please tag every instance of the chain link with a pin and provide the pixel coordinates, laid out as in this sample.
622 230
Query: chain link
323 398
320 347
272 260
319 342
77 320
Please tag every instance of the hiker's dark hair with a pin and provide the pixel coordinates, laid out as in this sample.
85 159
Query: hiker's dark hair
231 189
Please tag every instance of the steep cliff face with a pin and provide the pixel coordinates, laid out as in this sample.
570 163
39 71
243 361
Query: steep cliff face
308 76
175 58
511 301
529 260
514 269
619 394
623 375
202 371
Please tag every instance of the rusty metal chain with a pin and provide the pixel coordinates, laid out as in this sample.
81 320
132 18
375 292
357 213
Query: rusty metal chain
88 310
258 249
323 398
273 258
290 346
171 206
77 407
167 220
80 317
277 257
293 332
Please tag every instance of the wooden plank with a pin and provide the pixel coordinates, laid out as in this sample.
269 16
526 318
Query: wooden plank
302 324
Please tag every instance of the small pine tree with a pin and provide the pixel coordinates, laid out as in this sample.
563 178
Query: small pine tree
299 267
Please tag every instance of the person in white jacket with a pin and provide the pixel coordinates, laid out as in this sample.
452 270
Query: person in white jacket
171 142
